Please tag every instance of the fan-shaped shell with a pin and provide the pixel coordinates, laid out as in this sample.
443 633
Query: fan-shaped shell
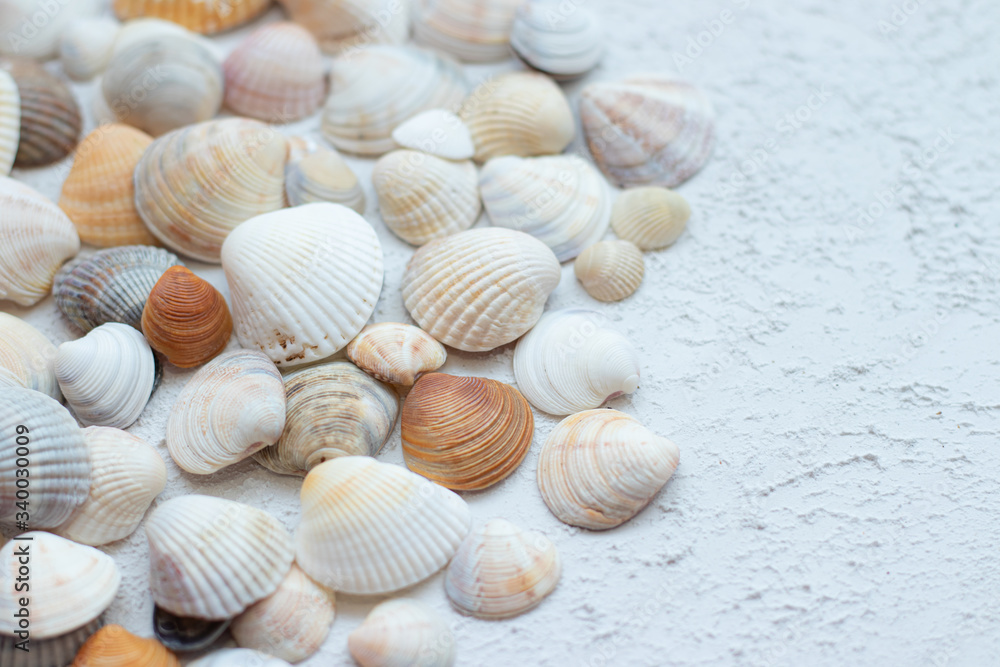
50 117
402 632
27 357
436 132
472 30
396 353
563 40
202 16
610 270
650 217
303 281
114 646
45 652
348 25
10 121
320 174
369 528
31 29
86 45
238 657
480 289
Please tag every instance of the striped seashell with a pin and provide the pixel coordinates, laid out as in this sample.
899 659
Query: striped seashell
475 31
10 121
650 217
396 353
201 16
43 652
610 270
345 25
563 40
27 357
50 116
403 632
86 46
318 174
114 646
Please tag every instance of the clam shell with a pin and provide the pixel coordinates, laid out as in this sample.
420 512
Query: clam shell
182 634
650 217
472 30
10 121
396 353
436 132
27 357
480 289
238 657
50 117
212 558
610 270
648 130
114 646
422 197
351 25
403 632
86 45
322 175
465 433
202 16
57 651
134 31
230 409
32 29
563 40
502 571
369 528
303 281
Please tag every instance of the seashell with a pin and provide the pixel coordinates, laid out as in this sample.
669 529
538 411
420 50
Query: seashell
50 117
107 376
230 409
71 584
202 16
111 285
560 200
369 528
142 30
610 270
46 652
126 474
86 45
333 410
651 217
114 646
502 571
31 29
379 87
60 467
465 433
564 41
238 657
573 360
396 353
291 623
648 130
323 176
27 357
475 31
302 281
480 289
518 113
349 25
99 193
182 634
195 185
436 132
422 197
10 121
211 558
599 468
403 632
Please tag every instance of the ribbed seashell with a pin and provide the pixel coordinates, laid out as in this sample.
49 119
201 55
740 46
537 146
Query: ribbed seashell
31 29
303 281
195 185
186 319
27 357
377 88
465 433
563 40
436 132
58 651
291 623
519 113
396 353
472 30
10 121
422 197
369 528
50 116
201 16
238 657
650 217
502 571
648 130
322 175
114 646
107 376
400 633
86 45
332 410
212 558
610 270
480 289
341 25
560 200
230 409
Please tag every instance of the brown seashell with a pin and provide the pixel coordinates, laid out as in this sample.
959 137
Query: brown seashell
396 353
50 117
114 646
204 16
465 433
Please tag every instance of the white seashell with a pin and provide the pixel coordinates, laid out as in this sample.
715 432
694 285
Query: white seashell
320 174
563 40
573 360
107 376
396 353
303 281
473 30
369 528
238 657
480 289
27 357
437 132
32 29
85 46
650 217
403 632
610 270
136 31
45 652
10 121
350 26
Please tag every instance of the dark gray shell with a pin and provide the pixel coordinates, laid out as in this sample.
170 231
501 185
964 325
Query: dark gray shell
182 634
50 117
55 652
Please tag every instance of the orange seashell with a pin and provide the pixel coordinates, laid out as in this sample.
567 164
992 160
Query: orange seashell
204 16
114 646
186 319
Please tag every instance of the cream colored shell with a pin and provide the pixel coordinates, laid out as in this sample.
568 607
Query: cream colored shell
396 353
27 357
471 30
564 40
650 217
86 45
400 633
10 121
317 173
436 132
350 26
610 270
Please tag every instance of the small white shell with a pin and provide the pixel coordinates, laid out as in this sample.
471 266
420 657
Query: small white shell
650 217
238 657
10 121
436 132
400 633
85 47
320 174
561 39
27 357
134 31
610 270
349 26
472 30
396 353
31 29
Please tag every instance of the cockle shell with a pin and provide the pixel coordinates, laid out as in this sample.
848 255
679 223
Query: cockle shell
195 185
303 281
563 40
320 174
230 409
465 433
369 528
27 357
472 30
86 45
502 571
422 197
396 353
212 558
32 29
238 657
114 646
351 25
202 16
50 116
650 217
436 132
10 121
333 409
46 652
610 270
648 130
480 289
560 200
400 633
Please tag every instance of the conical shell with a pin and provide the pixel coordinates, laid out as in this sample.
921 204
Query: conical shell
86 45
238 657
650 217
10 121
396 353
321 175
502 571
480 289
303 281
436 132
610 270
230 409
349 25
202 16
27 357
472 30
465 433
50 116
32 29
422 197
564 41
57 651
212 558
369 528
648 130
333 410
195 185
400 633
114 646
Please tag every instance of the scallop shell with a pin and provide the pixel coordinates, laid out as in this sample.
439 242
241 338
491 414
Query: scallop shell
351 25
303 281
648 130
195 185
573 360
27 357
473 30
396 353
563 40
560 200
114 646
212 558
610 270
422 197
369 528
46 652
436 132
465 433
10 121
86 45
651 217
333 410
50 116
403 632
480 289
502 571
238 657
202 16
230 409
322 175
31 29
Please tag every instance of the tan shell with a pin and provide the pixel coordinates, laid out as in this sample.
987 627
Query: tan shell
403 632
610 270
351 25
50 116
114 646
650 217
471 30
10 121
319 174
203 16
396 353
27 357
